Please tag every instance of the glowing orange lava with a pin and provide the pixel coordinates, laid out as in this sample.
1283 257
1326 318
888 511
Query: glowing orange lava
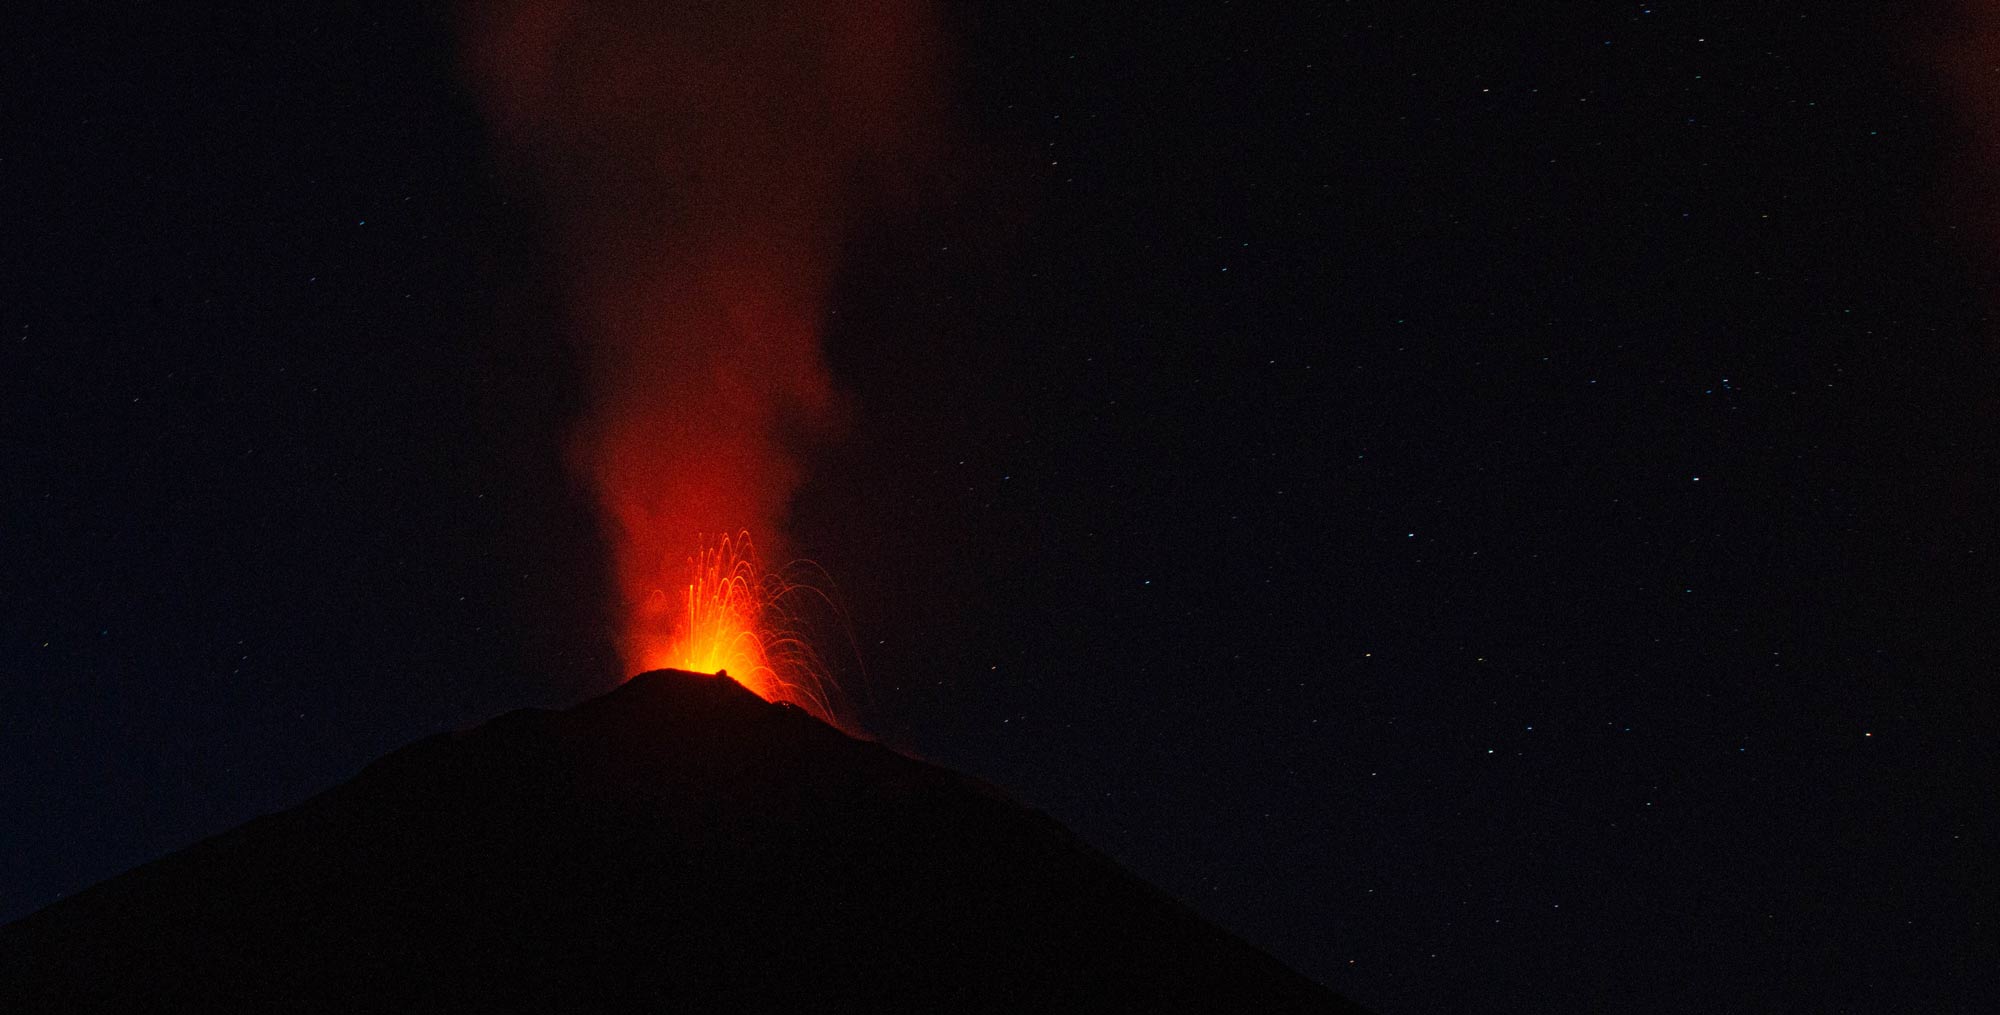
702 167
734 617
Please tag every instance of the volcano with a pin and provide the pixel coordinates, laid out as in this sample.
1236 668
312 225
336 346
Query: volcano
676 843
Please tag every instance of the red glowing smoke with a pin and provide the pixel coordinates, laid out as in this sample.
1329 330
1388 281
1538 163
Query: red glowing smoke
700 163
1965 41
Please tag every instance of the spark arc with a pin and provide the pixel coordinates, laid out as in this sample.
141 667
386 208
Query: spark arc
699 165
733 616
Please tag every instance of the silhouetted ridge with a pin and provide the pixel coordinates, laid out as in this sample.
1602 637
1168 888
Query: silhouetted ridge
678 842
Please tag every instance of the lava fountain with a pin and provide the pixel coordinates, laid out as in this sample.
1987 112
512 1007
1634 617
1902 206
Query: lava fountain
699 168
735 618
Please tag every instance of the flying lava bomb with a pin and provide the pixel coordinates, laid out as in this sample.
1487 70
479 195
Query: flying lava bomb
699 165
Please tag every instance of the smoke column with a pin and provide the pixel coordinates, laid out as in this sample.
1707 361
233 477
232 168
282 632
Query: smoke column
700 163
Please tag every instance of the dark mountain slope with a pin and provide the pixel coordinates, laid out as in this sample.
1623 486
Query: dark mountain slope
677 843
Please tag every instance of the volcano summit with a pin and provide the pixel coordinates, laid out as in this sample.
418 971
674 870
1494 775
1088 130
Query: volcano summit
678 842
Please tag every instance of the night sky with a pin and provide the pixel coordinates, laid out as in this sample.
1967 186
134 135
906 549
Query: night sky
1493 504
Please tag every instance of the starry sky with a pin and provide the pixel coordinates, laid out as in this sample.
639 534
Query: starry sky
1493 505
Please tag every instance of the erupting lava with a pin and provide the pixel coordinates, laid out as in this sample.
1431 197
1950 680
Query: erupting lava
700 167
733 617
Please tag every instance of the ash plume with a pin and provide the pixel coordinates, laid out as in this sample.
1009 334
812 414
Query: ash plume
700 164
